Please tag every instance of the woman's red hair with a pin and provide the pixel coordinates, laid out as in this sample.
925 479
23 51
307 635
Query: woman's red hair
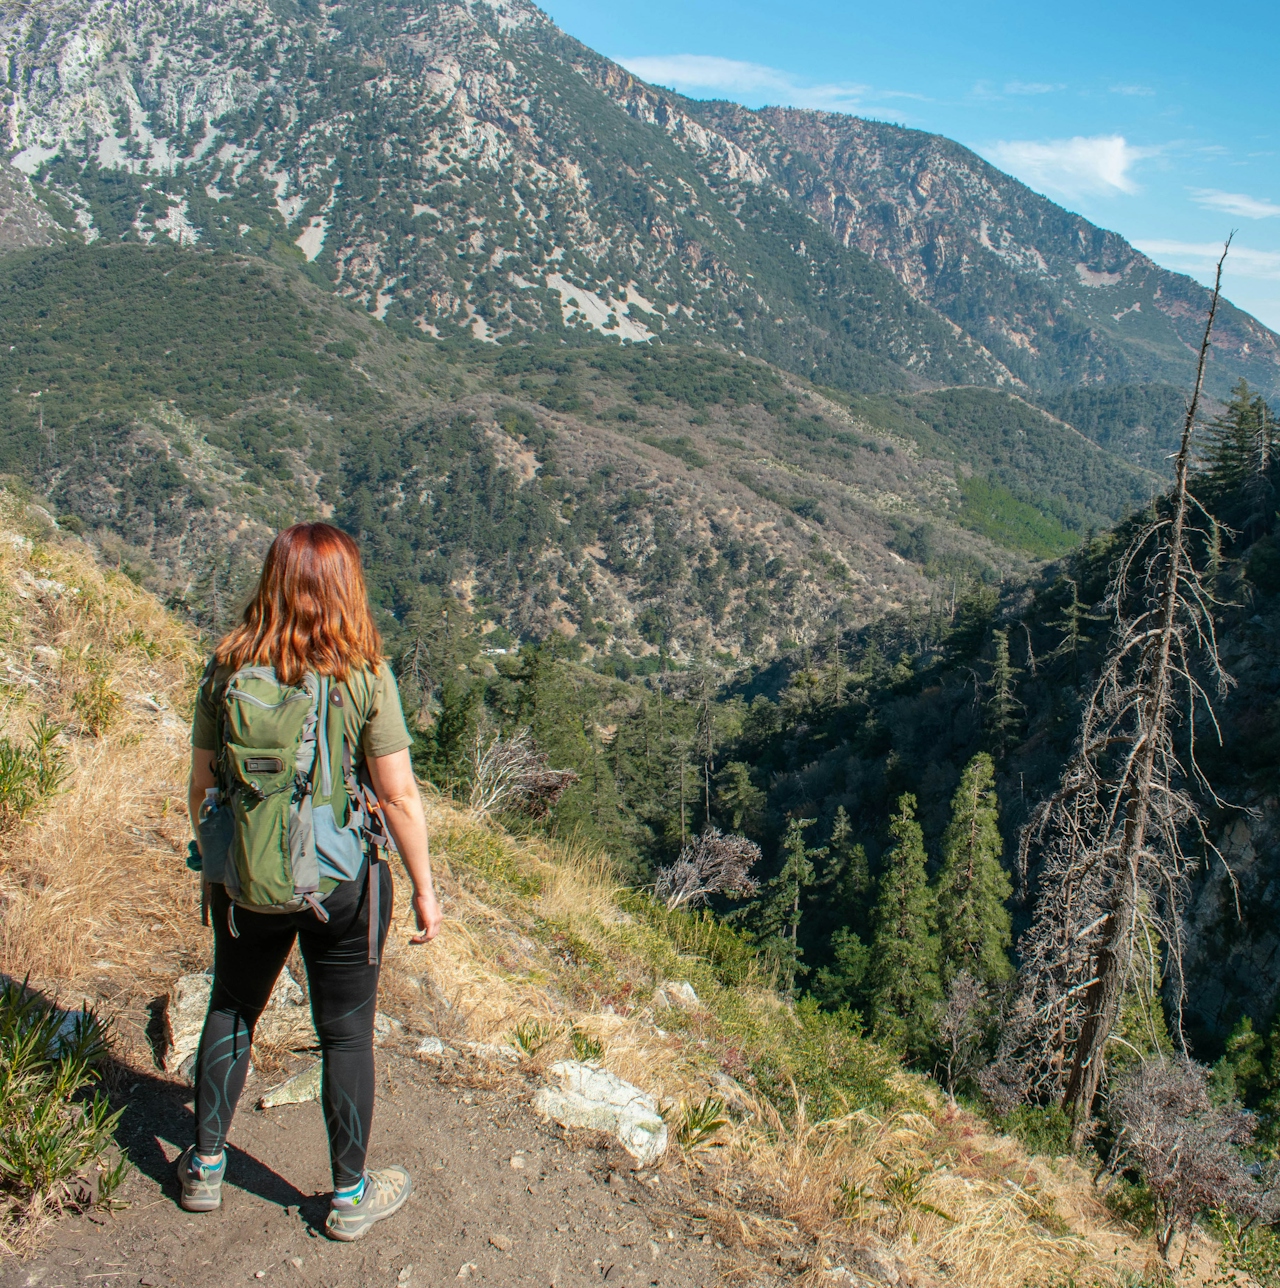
310 611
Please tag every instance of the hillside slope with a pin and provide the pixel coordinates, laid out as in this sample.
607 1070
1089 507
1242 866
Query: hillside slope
539 945
469 167
182 405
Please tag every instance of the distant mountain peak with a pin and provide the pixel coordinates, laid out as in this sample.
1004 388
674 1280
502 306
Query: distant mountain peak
465 167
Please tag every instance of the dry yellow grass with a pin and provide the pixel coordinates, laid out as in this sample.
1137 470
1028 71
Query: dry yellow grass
89 878
95 900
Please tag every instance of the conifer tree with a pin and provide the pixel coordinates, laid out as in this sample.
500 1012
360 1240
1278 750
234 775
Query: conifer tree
738 799
1002 707
847 871
780 911
975 930
905 989
1240 454
1241 440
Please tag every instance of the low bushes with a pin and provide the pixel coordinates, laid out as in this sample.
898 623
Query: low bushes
56 1123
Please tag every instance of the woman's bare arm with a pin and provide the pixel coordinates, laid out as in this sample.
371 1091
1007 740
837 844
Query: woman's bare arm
397 790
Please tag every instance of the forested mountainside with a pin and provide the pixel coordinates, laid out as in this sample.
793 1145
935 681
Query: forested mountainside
722 450
469 167
673 499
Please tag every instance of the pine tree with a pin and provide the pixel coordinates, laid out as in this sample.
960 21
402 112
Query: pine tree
1002 707
780 910
848 867
905 988
1241 440
738 799
1241 453
974 924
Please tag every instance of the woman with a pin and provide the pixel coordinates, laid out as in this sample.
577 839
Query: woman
309 620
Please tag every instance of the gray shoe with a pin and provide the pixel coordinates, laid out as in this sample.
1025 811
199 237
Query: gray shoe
201 1184
385 1192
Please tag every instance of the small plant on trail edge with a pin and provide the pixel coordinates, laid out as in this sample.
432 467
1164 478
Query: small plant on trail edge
585 1047
56 1124
532 1035
700 1122
852 1198
97 703
30 771
1042 1129
904 1189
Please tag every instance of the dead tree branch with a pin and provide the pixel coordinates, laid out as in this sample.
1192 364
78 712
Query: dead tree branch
712 863
1110 840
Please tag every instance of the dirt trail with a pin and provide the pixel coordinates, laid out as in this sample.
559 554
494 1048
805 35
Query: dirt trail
499 1198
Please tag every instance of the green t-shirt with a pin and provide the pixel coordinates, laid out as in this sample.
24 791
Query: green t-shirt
371 716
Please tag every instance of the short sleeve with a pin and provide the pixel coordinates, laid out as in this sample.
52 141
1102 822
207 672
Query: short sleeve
385 731
204 724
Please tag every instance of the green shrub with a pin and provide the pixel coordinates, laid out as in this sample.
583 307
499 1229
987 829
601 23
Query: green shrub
700 1122
30 771
585 1047
731 954
1042 1129
532 1035
56 1124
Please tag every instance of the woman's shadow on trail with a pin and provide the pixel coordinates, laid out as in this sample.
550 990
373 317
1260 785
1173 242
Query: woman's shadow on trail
157 1112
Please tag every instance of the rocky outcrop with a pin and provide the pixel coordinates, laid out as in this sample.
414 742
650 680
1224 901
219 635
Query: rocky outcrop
24 222
1232 930
582 1095
286 1023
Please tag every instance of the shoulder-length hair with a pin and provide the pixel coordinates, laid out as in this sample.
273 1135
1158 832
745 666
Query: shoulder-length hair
310 611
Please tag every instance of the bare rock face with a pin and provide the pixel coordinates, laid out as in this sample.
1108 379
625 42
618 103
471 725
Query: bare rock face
286 1022
580 1095
24 222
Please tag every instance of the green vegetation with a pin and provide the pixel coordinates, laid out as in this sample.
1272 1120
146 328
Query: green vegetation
56 1124
991 509
30 772
973 886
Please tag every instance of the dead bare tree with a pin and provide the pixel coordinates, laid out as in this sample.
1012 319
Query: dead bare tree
510 775
963 1020
1110 840
712 863
1185 1146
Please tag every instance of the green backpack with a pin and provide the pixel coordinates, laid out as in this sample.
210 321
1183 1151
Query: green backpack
268 831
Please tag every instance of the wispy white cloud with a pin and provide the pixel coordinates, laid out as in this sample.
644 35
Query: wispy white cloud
1031 87
1072 167
1133 91
705 73
1200 257
1235 203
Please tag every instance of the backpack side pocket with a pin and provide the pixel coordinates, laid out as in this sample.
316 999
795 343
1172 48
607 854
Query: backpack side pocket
217 829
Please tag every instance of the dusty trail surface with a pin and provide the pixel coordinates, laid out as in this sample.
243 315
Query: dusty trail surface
499 1198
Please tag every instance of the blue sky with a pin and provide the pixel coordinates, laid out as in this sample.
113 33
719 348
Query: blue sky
1161 121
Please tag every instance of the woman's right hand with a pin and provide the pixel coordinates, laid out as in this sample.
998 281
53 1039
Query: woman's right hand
426 912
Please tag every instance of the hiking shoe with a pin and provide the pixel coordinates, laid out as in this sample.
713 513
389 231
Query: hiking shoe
201 1184
384 1194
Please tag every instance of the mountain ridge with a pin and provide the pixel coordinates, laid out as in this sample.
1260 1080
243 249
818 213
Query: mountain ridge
469 167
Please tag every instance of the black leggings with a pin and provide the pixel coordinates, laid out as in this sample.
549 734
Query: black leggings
344 991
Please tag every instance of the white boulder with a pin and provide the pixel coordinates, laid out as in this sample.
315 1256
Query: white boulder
298 1090
676 994
286 1023
581 1095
